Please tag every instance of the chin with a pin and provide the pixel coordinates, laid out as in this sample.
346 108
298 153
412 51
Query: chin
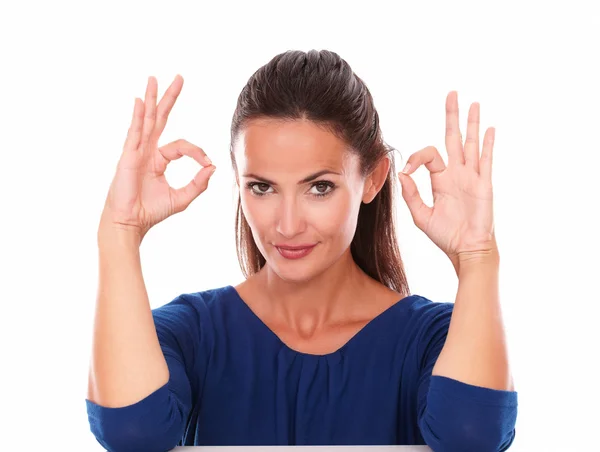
295 270
292 271
293 278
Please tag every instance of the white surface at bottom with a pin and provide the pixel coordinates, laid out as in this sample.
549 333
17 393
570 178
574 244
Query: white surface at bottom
306 448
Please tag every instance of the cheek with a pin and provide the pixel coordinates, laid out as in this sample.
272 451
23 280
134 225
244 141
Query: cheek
333 219
336 218
257 214
249 210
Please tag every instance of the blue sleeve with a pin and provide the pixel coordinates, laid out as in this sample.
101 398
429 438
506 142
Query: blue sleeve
157 422
455 416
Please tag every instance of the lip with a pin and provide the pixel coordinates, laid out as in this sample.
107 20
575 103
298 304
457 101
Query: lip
294 247
294 252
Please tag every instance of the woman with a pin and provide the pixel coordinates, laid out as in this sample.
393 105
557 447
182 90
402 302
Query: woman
323 342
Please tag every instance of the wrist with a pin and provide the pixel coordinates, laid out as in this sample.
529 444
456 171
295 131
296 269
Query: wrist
455 263
111 229
478 259
478 264
491 256
119 235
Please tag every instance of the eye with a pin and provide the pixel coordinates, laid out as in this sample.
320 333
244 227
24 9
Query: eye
258 188
322 188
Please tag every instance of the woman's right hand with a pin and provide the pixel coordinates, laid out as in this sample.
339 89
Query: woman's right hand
140 196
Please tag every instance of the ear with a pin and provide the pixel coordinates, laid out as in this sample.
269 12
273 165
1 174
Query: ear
375 180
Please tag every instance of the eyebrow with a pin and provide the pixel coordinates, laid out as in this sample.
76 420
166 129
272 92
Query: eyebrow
303 181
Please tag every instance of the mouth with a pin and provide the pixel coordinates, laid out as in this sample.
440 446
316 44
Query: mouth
295 252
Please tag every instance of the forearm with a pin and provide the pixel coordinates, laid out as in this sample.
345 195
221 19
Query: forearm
127 362
475 351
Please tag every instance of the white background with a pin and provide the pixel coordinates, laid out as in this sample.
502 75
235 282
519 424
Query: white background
70 72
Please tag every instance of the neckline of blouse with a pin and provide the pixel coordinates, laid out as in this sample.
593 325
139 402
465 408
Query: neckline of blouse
332 357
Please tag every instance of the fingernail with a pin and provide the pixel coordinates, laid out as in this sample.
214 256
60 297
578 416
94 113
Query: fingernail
213 170
207 160
406 168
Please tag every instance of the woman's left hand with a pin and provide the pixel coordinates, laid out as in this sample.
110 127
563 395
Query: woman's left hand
461 221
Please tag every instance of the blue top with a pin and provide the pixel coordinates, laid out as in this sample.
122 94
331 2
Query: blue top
234 382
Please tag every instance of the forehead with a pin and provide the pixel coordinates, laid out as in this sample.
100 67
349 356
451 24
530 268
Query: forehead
292 147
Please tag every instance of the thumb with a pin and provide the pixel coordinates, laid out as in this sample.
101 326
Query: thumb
419 211
185 195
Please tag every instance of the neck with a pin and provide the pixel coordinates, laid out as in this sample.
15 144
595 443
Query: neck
325 299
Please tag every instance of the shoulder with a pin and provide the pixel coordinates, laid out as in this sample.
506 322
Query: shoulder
194 309
416 319
425 309
424 319
429 322
205 299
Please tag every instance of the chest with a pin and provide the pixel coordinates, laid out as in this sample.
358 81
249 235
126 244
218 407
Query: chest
323 342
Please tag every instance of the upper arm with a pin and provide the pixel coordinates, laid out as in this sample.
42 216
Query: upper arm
158 421
433 331
453 415
177 329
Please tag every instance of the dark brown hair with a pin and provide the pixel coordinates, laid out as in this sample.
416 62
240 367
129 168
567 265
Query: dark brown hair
321 87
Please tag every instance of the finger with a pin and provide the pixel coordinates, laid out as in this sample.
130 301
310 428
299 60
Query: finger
150 110
485 163
428 156
453 135
184 196
165 106
132 141
472 141
420 212
178 149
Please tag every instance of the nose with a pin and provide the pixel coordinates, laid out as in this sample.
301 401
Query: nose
290 219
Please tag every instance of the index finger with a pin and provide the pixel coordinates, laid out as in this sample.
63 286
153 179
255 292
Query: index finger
165 105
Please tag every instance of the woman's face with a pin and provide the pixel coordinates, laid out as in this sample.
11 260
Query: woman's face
299 186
